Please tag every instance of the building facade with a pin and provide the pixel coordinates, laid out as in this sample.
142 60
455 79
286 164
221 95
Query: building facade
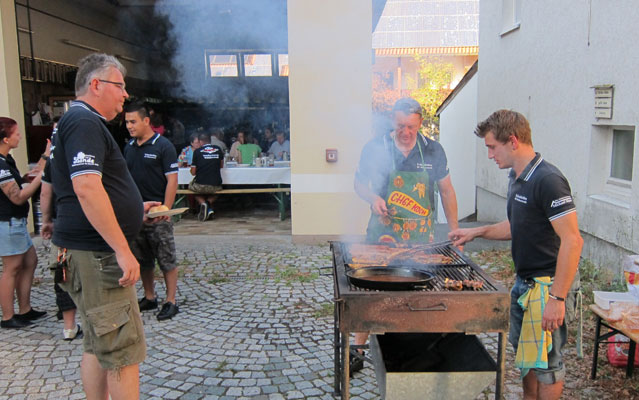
566 67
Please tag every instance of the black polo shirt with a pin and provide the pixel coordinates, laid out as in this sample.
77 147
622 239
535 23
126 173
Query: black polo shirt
539 196
376 163
9 172
207 161
149 165
84 145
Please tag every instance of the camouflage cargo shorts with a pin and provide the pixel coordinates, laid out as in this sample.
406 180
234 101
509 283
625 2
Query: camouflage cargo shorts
155 242
203 189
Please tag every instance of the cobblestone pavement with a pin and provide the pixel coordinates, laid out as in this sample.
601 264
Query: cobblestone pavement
255 322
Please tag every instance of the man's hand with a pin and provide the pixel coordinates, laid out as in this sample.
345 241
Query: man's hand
46 231
460 236
147 206
378 206
553 315
130 268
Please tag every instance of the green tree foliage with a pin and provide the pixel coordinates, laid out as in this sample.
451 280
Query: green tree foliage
384 96
433 86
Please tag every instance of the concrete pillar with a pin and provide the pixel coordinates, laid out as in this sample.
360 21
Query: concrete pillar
10 84
330 60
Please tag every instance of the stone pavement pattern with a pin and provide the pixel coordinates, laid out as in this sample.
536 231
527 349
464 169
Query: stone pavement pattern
255 322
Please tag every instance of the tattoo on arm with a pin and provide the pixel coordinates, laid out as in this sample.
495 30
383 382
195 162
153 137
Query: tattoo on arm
12 191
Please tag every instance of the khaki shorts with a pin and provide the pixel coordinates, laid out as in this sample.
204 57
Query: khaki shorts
113 329
204 189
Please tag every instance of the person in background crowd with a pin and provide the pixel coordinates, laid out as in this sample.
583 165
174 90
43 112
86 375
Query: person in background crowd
216 140
99 211
207 162
280 146
177 133
19 259
151 161
234 153
157 122
186 156
249 150
268 139
546 246
403 164
66 306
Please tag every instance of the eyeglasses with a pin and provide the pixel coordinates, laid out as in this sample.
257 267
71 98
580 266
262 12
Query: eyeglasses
121 85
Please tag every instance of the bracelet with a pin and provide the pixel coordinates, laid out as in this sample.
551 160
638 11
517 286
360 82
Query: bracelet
552 296
44 157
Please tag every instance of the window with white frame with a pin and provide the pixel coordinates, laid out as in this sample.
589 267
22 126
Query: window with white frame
612 154
623 145
510 15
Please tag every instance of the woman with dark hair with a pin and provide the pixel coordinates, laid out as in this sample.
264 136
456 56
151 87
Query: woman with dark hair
19 257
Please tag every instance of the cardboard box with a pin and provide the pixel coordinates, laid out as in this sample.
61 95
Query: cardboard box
604 299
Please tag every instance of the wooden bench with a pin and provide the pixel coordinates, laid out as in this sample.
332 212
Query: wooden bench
277 192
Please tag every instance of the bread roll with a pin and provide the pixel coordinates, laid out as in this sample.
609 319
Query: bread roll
158 208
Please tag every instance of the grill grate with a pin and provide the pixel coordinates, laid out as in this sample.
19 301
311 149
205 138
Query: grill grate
443 248
460 269
456 272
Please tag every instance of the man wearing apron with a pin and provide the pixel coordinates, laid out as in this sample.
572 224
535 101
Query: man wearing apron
396 175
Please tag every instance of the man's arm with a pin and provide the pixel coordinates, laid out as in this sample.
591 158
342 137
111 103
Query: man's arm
498 231
570 247
170 190
46 206
449 202
98 209
378 205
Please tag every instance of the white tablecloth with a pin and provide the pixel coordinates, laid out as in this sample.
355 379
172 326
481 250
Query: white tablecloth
245 176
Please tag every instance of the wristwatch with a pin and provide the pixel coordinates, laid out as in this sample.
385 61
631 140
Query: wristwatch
44 157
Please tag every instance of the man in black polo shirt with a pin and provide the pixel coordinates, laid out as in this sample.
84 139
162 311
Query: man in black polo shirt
396 175
99 210
546 243
207 162
152 161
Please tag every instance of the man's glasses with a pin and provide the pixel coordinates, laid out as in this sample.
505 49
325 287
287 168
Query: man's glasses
121 85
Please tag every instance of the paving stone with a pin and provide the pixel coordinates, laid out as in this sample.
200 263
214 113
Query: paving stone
253 335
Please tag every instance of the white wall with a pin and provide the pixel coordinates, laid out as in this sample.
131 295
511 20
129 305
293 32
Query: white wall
330 105
546 70
456 125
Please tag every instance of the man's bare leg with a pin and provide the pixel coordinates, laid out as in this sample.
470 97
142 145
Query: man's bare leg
170 279
121 384
535 390
124 383
550 392
94 378
148 283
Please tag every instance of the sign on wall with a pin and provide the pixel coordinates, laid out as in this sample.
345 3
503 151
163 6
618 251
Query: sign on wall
603 101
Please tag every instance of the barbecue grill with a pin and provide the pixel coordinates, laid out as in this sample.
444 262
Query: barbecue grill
431 308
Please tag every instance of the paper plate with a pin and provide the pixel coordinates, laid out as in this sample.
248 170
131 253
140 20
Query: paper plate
174 211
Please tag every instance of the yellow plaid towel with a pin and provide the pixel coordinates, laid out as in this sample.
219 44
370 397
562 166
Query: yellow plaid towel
534 344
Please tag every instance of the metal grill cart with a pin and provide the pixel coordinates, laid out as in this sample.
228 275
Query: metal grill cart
431 309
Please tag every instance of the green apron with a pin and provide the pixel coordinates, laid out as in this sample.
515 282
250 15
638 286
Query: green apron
409 208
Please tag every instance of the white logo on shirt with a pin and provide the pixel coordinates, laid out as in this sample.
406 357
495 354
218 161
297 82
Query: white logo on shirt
521 199
5 173
83 159
153 156
174 165
561 201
